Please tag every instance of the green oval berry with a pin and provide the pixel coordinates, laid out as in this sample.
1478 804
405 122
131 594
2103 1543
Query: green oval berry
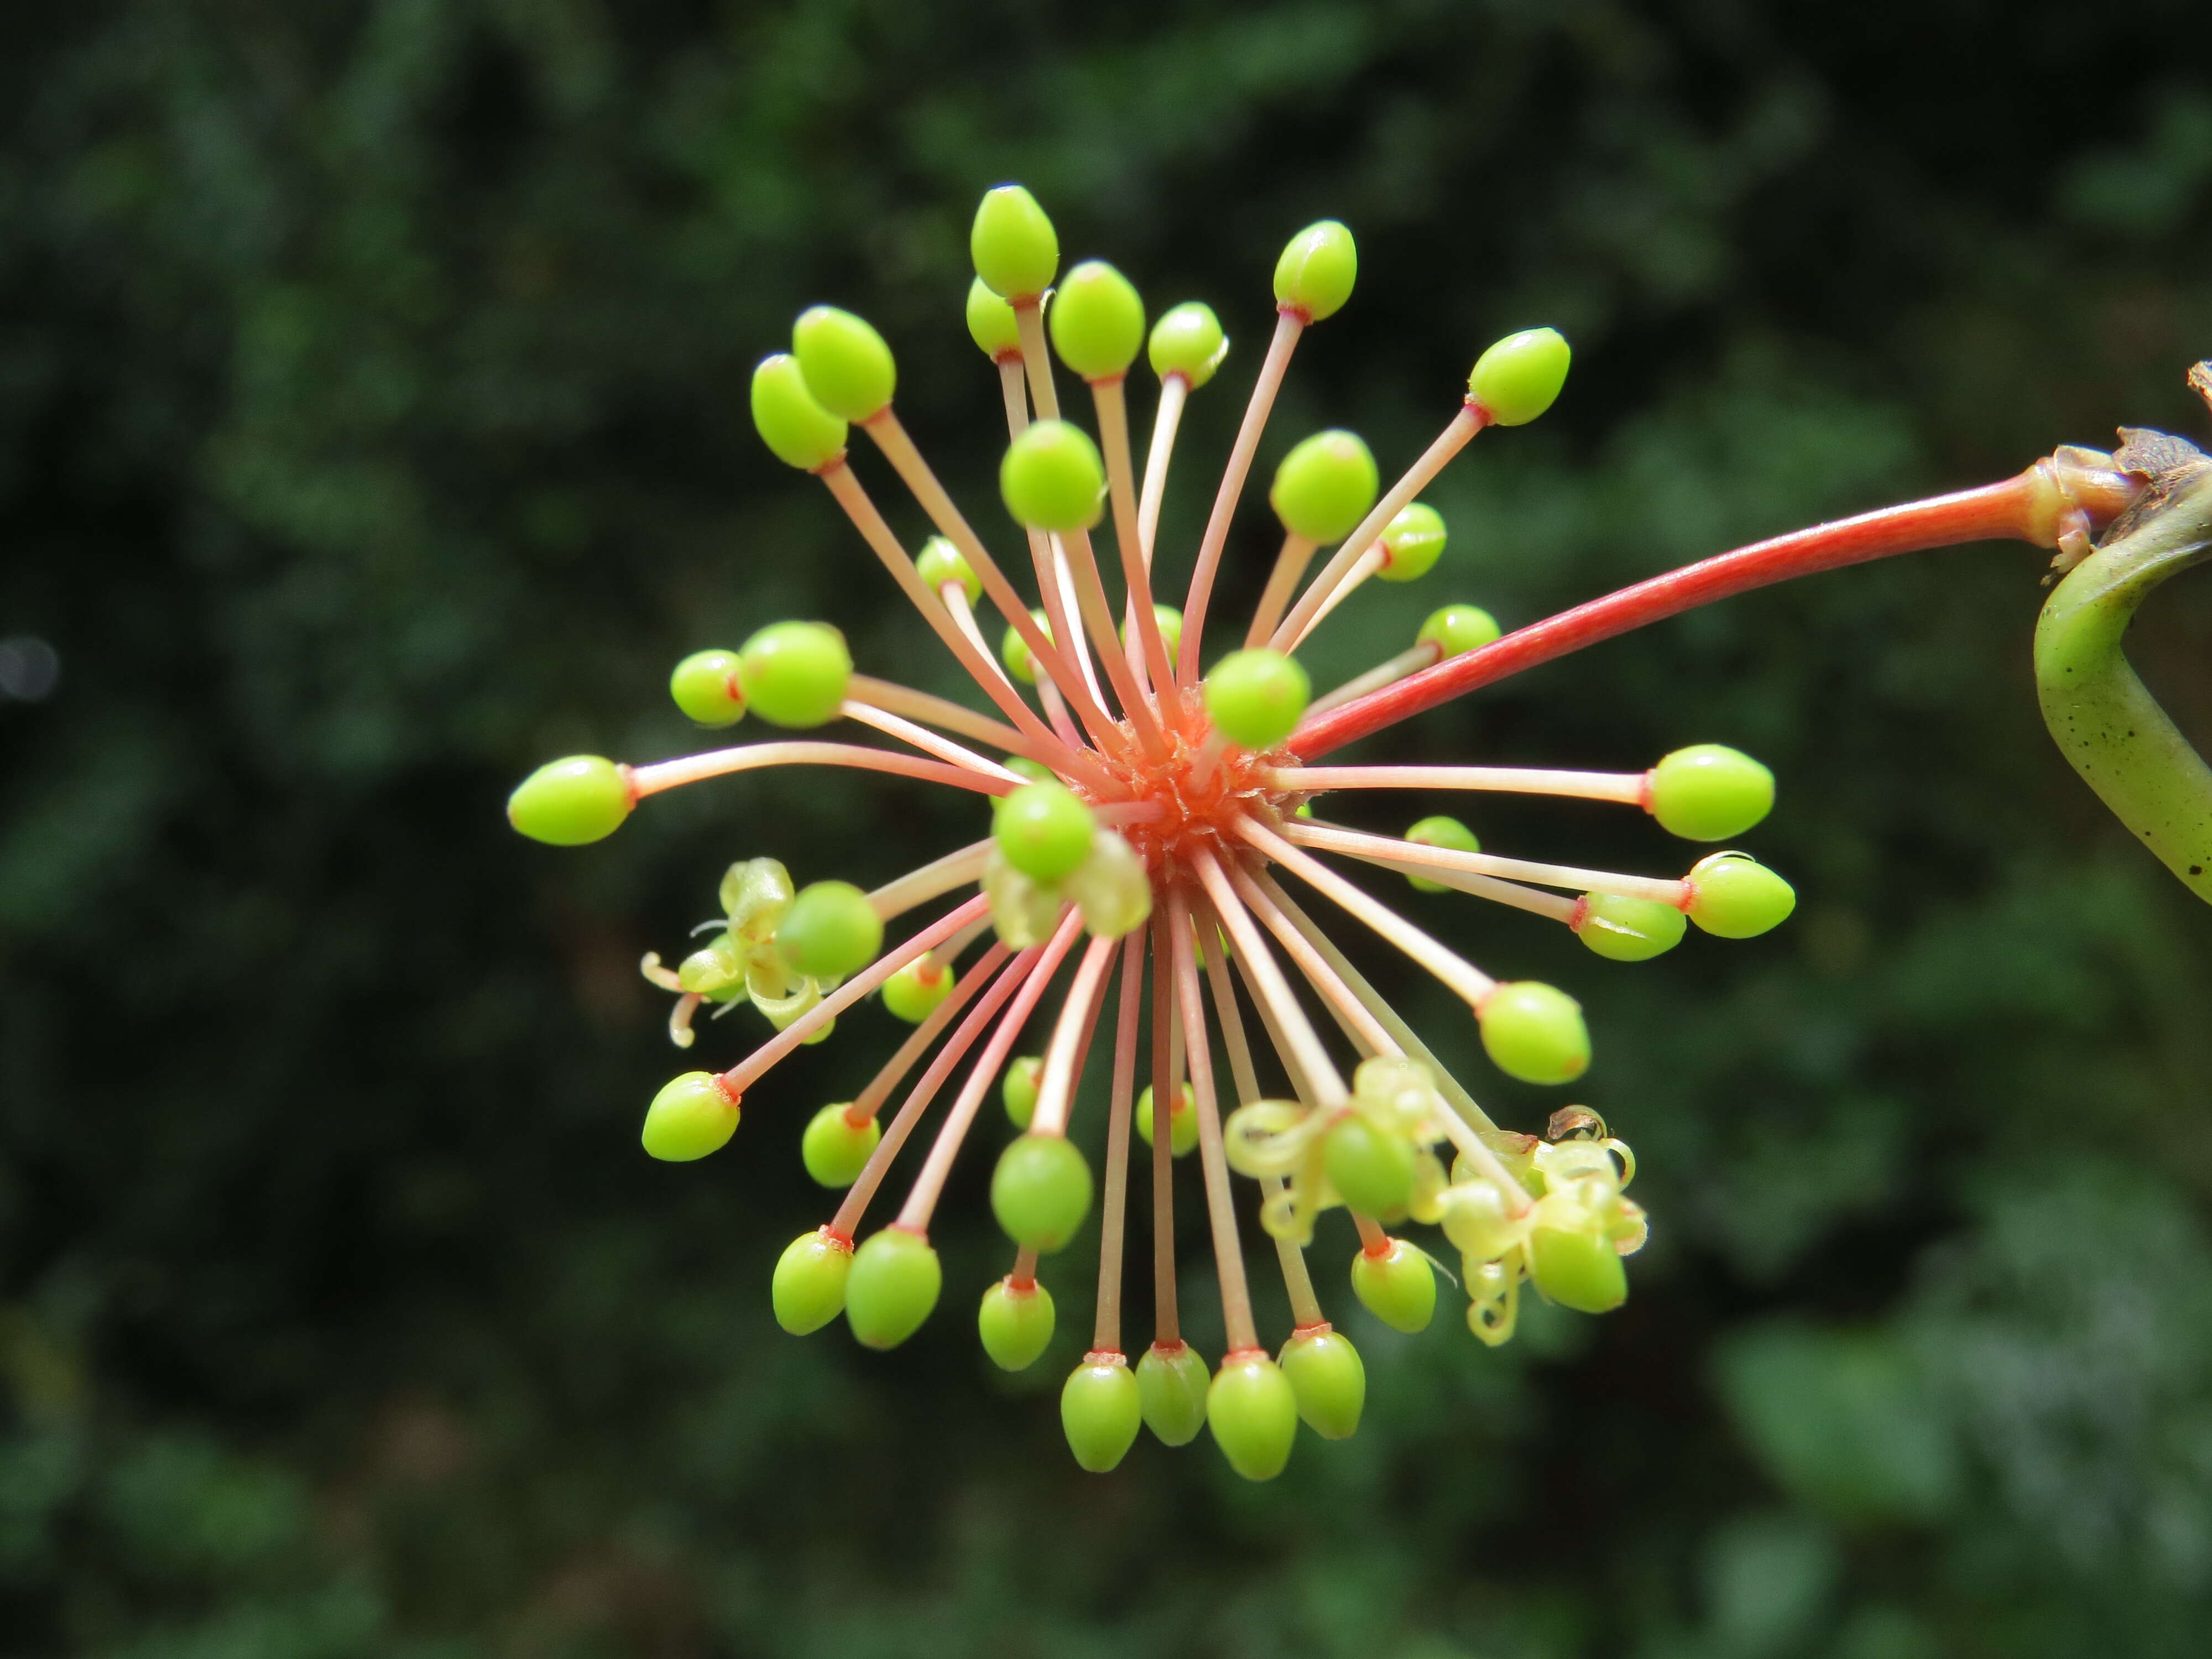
705 687
992 324
1314 277
1710 792
834 1148
1535 1032
569 803
846 363
1413 542
1017 1091
1254 1413
796 428
914 993
892 1287
1044 829
1041 1191
1328 1381
1172 1383
1015 248
1053 479
1398 1287
830 932
1256 698
1100 1410
1440 831
809 1288
1735 897
690 1117
1573 1261
1097 321
1371 1169
1034 771
1014 650
939 564
1188 341
1170 625
1182 1121
1628 929
1458 627
1516 379
794 674
1015 1323
1324 486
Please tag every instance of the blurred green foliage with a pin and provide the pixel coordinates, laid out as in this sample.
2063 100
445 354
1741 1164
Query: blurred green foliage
372 427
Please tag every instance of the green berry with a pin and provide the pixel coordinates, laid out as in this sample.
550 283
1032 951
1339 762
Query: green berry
1628 929
914 993
1019 1089
1710 792
847 367
1254 1413
1324 486
1053 479
1515 380
1044 829
830 932
1097 321
939 564
1172 1383
705 687
794 674
690 1117
1414 541
1041 1191
1314 277
992 324
1398 1287
1256 698
1015 1323
801 432
809 1289
1170 624
1100 1410
1035 771
1573 1260
1182 1121
568 803
1440 831
1329 1382
1535 1032
834 1148
1458 627
892 1287
1188 341
1734 895
1371 1169
1014 650
1015 248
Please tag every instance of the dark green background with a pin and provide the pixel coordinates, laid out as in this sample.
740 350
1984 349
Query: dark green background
372 427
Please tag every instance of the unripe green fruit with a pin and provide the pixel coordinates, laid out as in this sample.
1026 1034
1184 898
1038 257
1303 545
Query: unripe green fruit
1172 1385
1034 771
1518 378
848 366
1572 1260
1100 1410
1015 1323
1170 624
1328 1381
1415 540
914 993
1041 1191
1371 1169
1188 341
1015 248
992 324
1324 486
1458 627
1182 1120
1315 276
1535 1032
794 674
892 1287
1398 1287
690 1117
1019 1089
1256 698
704 685
1446 833
1014 650
1629 929
809 1288
1710 792
830 932
1044 829
834 1148
1254 1413
1097 321
939 564
1735 896
569 803
1053 479
1112 887
791 422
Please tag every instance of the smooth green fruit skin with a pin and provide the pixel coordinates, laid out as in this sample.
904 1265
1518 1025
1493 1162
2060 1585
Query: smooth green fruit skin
572 802
1519 377
1172 1383
1044 829
893 1284
1736 897
1182 1121
794 674
1398 1287
1315 276
1371 1169
809 1288
1097 321
1171 622
940 564
1019 1089
1254 1413
689 1118
830 932
1035 771
846 363
1014 650
797 430
1458 627
1015 1325
1052 478
1041 1191
834 1148
1626 929
1535 1032
1100 1412
1256 698
1188 341
1710 792
704 685
992 324
1015 248
1415 540
1445 832
1329 1380
915 991
1324 486
1577 1267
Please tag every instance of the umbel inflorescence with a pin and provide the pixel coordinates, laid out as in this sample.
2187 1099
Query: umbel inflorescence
1157 848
